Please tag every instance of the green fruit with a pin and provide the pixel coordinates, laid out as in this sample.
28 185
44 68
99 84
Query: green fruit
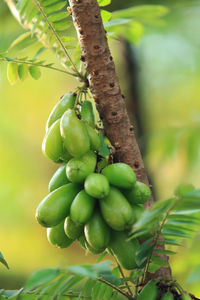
149 291
56 205
139 194
57 237
82 207
123 250
87 113
66 102
94 138
72 229
97 232
116 210
120 175
65 156
52 145
82 241
78 169
74 134
92 250
186 297
58 179
167 296
97 185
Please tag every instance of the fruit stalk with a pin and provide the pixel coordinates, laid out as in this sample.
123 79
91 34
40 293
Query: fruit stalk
104 86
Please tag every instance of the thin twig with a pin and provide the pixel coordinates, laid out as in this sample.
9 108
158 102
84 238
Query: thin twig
116 288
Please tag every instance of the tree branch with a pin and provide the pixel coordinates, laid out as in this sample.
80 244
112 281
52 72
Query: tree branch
104 85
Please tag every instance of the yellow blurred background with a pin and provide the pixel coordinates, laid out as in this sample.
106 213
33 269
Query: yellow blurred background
169 89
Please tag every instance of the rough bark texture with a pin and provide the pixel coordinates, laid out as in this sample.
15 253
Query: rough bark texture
104 85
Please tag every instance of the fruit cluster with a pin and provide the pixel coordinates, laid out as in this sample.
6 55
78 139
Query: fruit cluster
95 205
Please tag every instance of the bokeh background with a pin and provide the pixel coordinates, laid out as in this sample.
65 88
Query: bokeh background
168 94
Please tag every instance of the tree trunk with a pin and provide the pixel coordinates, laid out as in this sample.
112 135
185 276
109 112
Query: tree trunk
104 85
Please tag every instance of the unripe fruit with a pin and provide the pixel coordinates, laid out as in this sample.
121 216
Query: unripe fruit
137 211
139 194
56 206
167 296
87 113
58 179
186 297
97 232
57 237
78 169
116 210
94 138
92 250
97 185
82 207
120 175
72 229
74 134
66 102
123 250
52 145
149 291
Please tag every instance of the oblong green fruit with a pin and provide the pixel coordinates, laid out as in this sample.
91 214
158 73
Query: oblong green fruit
116 210
72 229
120 175
149 291
92 250
78 169
87 113
56 205
58 179
82 207
186 297
94 138
167 296
66 102
97 232
139 194
123 250
97 185
74 134
52 145
57 237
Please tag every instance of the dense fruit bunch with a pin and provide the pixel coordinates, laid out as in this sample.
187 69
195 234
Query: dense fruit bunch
96 205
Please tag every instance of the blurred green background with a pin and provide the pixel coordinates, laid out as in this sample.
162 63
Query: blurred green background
168 59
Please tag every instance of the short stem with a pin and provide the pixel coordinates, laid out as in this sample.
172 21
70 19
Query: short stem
116 288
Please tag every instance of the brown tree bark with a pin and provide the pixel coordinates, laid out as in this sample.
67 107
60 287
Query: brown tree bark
104 85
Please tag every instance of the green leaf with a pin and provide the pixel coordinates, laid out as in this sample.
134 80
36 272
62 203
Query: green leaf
83 271
67 39
56 6
169 242
3 261
58 16
39 52
22 42
62 25
101 256
142 12
175 232
87 289
12 72
35 72
103 2
104 150
153 268
166 252
143 253
23 71
105 15
40 277
95 290
159 261
116 22
108 293
133 32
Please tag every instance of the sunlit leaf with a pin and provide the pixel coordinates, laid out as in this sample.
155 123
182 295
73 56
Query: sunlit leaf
159 261
22 71
3 261
35 72
103 2
105 15
12 72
